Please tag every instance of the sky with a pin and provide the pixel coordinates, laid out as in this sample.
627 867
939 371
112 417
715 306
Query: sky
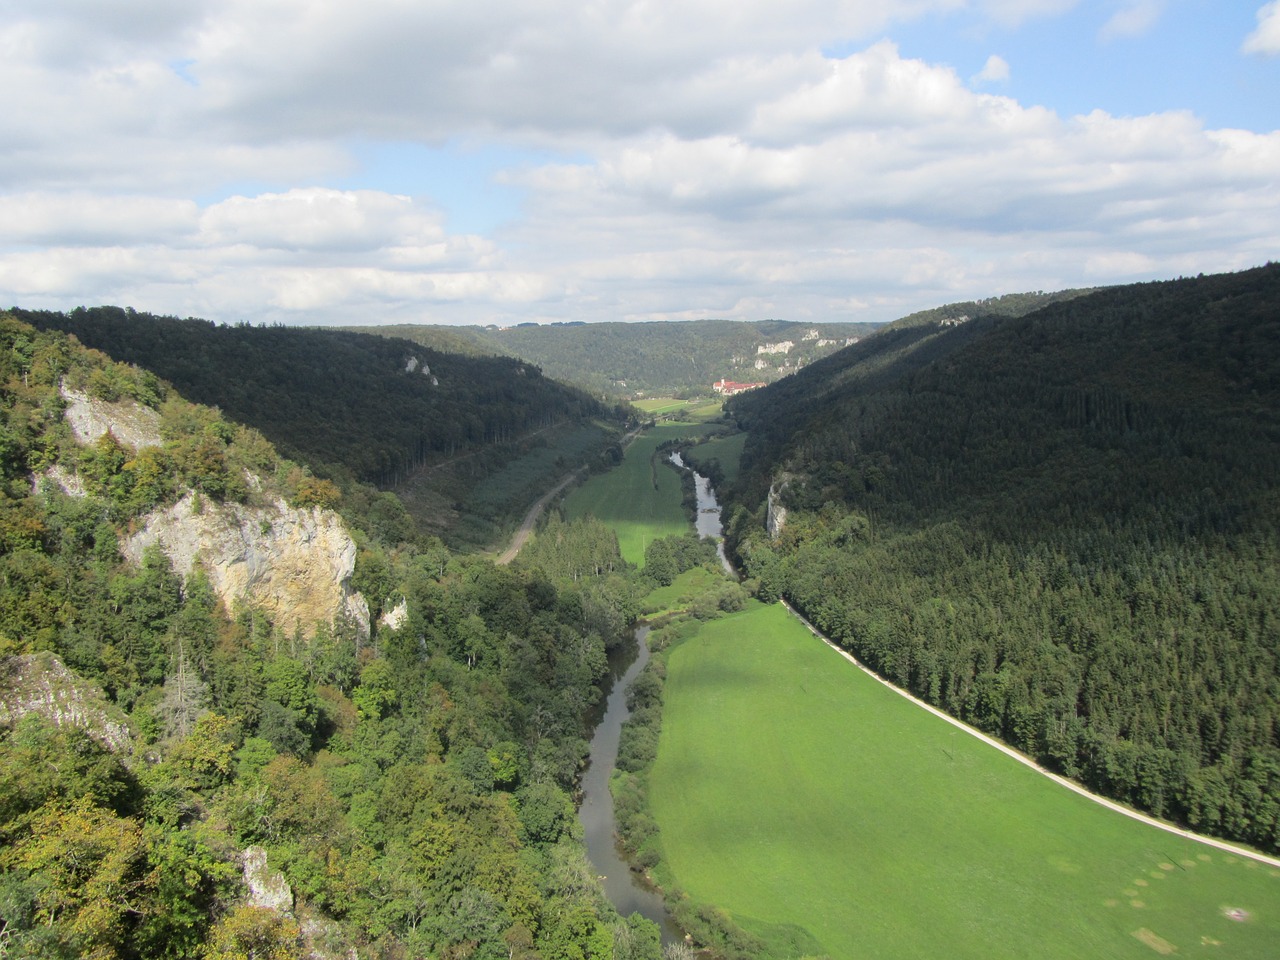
505 161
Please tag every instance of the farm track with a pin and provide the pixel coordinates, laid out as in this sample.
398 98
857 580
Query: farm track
1028 762
525 530
521 536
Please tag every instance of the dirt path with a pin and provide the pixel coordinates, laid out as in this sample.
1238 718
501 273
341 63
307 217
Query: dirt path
526 526
1027 761
521 536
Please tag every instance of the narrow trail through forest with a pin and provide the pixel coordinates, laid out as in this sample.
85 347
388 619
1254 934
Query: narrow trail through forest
1027 761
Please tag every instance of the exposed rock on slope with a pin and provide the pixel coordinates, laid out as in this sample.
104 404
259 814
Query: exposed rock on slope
294 564
129 422
40 683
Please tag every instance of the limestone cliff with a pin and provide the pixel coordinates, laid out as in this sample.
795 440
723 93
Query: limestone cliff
294 564
776 517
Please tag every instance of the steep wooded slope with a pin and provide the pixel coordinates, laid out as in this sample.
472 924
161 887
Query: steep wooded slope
354 405
1063 527
183 777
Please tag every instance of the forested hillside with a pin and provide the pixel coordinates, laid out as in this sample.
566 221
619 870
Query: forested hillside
669 358
1063 527
358 406
409 791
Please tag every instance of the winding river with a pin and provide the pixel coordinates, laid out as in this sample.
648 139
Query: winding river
707 521
625 888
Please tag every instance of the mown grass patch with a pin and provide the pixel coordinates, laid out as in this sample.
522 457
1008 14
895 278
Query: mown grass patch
660 404
727 451
642 498
806 799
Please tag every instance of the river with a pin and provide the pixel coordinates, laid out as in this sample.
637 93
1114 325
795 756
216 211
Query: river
625 888
707 520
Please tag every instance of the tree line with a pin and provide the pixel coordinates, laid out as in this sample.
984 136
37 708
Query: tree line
1061 527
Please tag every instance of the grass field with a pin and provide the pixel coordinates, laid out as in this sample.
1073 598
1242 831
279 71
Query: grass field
684 590
660 404
641 498
728 450
821 810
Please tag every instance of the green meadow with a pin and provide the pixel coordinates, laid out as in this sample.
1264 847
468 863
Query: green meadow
681 594
641 499
829 816
727 450
700 409
660 404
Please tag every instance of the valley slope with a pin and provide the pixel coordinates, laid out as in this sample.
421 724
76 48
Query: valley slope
1061 527
444 430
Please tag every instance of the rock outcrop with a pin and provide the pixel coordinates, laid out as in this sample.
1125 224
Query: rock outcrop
40 683
776 515
295 564
268 888
129 422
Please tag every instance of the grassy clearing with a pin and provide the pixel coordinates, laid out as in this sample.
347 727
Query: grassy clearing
684 590
707 410
727 450
817 807
660 404
642 497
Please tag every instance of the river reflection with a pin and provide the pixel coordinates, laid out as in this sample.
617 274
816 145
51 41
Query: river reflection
707 521
624 888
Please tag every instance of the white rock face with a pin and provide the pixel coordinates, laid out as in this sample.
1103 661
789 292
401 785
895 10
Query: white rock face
776 515
294 564
129 422
41 683
65 480
395 617
267 888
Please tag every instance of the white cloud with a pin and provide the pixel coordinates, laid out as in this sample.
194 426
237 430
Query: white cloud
1133 19
711 161
80 218
1266 38
320 220
995 70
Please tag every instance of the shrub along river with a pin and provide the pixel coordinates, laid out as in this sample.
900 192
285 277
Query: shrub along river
624 887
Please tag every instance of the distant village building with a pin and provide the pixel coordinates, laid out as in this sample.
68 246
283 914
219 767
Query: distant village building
728 388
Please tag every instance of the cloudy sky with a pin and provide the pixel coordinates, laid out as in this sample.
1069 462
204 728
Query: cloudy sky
497 161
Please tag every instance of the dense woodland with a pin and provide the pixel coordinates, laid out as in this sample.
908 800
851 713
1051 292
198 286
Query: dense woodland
1062 527
413 786
1053 515
360 407
663 359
